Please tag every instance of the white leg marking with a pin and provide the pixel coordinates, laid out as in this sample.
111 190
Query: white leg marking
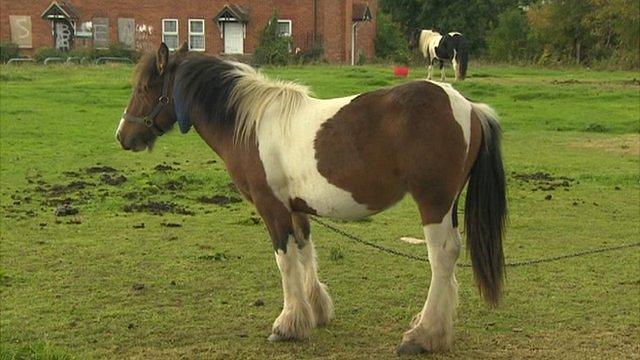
316 291
433 327
442 75
296 319
430 72
455 64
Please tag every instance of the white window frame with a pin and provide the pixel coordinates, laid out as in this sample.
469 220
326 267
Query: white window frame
287 21
176 33
201 34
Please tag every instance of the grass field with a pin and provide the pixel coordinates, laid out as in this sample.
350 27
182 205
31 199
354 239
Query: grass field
199 280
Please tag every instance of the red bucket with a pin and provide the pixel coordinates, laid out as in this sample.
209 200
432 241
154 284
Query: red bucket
401 71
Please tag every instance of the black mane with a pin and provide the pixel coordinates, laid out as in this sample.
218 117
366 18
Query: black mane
201 89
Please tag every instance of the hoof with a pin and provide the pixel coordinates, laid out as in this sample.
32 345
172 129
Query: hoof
410 349
278 337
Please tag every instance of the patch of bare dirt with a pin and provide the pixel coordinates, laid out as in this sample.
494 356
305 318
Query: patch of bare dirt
219 200
543 181
100 169
114 180
164 167
566 82
157 208
65 210
628 144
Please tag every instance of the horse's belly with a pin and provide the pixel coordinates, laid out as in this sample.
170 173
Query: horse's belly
328 200
292 169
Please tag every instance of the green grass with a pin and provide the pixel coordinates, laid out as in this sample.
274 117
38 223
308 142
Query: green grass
96 285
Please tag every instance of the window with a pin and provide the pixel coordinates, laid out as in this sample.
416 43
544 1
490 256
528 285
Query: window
284 27
100 33
196 34
170 33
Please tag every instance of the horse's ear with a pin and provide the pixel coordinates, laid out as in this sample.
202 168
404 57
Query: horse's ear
162 58
184 49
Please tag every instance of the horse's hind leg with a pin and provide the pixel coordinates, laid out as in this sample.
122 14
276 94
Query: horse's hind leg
316 291
433 326
430 69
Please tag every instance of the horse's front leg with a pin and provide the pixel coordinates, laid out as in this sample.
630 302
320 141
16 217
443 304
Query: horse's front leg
443 77
430 69
316 291
297 317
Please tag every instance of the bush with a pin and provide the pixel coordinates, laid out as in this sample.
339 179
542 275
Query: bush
43 53
8 51
114 50
272 49
117 50
390 44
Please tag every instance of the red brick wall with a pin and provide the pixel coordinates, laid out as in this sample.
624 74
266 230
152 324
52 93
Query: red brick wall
334 21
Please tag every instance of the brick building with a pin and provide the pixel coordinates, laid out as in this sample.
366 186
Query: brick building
211 26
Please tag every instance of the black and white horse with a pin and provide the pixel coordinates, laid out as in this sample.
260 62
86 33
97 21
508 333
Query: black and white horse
452 46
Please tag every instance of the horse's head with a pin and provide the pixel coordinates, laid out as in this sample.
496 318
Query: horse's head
414 38
150 112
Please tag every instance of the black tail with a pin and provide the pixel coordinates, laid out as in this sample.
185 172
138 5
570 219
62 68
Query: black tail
486 209
462 56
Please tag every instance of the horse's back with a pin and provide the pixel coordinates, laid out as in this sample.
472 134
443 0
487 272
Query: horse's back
358 157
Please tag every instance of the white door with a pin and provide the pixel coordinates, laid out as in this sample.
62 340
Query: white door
233 38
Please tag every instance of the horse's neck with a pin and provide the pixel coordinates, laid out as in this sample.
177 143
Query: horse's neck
434 40
220 140
429 40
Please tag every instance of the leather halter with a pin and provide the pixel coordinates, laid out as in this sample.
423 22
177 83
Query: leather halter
147 120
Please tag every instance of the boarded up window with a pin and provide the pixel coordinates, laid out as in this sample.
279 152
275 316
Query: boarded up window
101 33
126 32
21 30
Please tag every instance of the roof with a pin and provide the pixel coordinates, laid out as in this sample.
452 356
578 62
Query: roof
361 12
233 12
57 10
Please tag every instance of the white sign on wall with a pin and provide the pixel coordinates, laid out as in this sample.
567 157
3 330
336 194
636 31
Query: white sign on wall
21 31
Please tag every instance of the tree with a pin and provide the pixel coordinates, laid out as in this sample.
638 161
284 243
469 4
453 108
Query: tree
560 25
474 18
510 41
390 43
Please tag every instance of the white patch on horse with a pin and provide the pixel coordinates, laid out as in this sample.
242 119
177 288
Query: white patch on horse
121 124
290 164
461 108
453 33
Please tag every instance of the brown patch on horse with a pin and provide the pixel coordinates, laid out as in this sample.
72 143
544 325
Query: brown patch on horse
301 228
245 168
298 204
387 142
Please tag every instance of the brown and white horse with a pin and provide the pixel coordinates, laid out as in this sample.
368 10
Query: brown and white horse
292 155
